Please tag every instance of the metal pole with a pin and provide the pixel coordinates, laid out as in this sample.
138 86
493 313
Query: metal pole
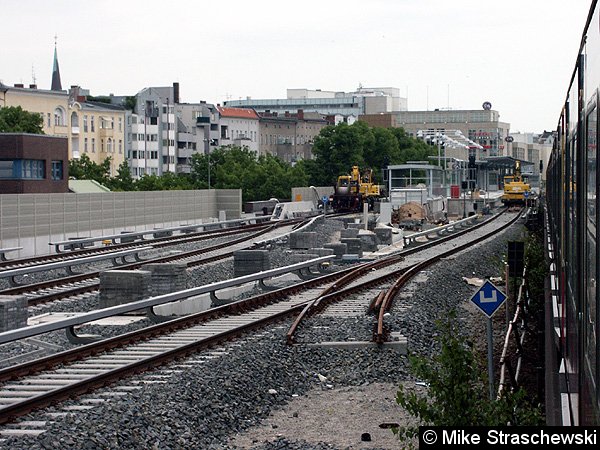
439 151
490 357
208 165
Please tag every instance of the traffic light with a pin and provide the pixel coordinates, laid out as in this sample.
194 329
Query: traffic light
471 161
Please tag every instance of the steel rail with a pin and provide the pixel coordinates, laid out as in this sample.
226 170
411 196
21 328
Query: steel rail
133 266
333 292
388 298
327 296
7 413
157 243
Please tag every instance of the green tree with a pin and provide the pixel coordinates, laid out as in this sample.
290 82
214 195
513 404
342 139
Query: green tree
148 183
84 168
14 119
457 393
337 149
381 151
123 181
411 149
168 181
233 167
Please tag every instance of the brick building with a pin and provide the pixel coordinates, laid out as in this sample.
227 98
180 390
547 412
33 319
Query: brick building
33 163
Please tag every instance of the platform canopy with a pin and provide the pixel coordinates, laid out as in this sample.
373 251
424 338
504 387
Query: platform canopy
503 162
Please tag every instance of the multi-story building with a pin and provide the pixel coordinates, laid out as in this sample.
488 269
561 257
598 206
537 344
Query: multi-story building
154 130
52 106
483 127
33 164
290 137
197 132
239 126
535 148
342 104
98 129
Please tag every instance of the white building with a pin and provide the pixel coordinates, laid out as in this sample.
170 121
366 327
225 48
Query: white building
239 126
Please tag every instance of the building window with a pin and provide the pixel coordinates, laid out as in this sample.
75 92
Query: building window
49 120
92 124
109 146
85 145
6 169
59 117
19 169
120 124
120 146
85 128
57 170
93 141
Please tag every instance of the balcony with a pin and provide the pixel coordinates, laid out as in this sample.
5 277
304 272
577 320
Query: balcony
202 121
107 132
74 130
151 112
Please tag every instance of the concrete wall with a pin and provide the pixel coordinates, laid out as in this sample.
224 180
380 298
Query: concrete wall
307 194
32 221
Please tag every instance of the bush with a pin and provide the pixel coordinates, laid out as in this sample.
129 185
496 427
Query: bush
457 393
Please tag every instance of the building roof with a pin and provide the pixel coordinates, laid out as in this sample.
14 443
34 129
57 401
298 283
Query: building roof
241 113
56 84
31 90
101 106
86 187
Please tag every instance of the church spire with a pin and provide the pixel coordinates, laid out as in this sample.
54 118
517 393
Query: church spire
56 84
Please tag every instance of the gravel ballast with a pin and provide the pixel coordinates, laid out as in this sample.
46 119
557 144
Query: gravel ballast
262 394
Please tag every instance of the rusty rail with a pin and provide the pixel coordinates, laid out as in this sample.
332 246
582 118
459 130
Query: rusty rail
327 296
513 329
379 335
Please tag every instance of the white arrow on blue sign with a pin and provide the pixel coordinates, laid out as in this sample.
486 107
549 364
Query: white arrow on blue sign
488 298
325 199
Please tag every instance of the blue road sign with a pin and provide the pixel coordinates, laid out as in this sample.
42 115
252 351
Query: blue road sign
488 298
325 199
526 194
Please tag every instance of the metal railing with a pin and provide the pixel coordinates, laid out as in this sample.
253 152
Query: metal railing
411 238
34 330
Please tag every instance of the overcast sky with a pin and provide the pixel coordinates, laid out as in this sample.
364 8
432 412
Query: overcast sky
516 54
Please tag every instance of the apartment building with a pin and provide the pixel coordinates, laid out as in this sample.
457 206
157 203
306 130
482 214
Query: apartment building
239 126
289 136
92 128
154 131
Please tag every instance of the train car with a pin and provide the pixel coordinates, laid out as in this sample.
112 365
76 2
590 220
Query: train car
572 329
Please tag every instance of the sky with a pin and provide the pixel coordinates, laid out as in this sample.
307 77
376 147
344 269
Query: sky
517 54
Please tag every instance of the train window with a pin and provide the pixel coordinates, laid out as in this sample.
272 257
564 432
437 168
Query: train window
591 256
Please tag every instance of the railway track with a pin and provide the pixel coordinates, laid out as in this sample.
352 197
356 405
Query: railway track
162 242
76 285
381 292
42 382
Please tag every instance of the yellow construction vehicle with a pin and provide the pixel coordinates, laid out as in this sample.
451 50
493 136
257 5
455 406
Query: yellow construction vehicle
352 190
516 190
